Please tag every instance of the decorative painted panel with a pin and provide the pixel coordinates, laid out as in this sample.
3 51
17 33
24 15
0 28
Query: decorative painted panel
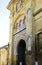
21 24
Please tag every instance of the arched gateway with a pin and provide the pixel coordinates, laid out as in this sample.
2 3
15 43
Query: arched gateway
21 52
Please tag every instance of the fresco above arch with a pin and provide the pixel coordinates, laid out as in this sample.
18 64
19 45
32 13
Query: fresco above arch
20 23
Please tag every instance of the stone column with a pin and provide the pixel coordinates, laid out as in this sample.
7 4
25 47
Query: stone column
30 31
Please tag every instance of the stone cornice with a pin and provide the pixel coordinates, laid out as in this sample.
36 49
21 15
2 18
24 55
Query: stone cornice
9 5
4 47
39 32
38 11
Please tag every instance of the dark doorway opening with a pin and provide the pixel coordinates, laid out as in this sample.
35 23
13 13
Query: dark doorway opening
21 52
38 48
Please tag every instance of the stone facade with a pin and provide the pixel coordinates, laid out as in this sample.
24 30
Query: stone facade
26 24
4 54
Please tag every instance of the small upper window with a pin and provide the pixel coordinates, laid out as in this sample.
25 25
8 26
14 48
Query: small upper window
17 25
24 19
20 22
24 22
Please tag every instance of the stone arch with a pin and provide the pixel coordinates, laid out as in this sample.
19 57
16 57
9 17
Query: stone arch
21 52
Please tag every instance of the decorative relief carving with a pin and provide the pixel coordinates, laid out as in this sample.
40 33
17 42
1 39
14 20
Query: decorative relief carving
18 5
29 13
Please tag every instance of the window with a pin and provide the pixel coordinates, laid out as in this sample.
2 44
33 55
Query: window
17 25
38 47
20 22
24 22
